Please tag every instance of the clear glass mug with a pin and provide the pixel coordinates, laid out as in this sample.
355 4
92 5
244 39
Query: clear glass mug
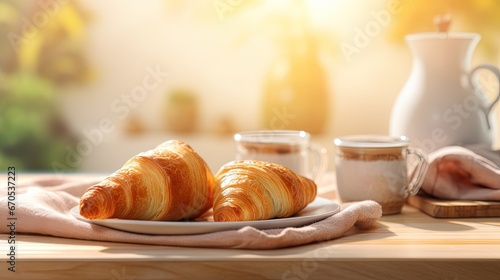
290 148
379 168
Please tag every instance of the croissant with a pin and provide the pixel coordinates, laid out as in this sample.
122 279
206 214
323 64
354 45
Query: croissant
168 183
256 190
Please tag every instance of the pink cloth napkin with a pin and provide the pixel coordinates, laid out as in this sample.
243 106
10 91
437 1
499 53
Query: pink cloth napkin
469 173
43 207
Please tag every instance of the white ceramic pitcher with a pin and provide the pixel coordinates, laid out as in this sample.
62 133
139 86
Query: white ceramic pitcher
441 103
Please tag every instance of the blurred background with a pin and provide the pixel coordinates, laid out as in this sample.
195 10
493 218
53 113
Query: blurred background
85 85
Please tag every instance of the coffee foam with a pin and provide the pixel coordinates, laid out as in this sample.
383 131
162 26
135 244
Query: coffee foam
270 148
371 154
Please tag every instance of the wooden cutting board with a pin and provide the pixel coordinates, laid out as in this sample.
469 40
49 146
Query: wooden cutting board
440 208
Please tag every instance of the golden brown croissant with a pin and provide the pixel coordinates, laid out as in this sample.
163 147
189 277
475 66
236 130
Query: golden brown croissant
168 183
256 190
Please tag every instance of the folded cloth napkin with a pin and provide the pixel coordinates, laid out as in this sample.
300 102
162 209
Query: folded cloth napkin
43 207
469 173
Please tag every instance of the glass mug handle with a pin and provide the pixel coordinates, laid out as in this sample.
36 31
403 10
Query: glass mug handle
418 173
320 155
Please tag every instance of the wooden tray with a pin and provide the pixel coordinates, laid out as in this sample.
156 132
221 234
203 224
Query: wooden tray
440 208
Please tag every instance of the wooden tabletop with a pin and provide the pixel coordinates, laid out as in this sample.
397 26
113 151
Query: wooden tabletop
410 245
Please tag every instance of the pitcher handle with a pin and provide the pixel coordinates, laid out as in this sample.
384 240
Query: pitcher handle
496 71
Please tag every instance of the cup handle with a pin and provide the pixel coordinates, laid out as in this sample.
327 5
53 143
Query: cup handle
417 175
320 153
487 105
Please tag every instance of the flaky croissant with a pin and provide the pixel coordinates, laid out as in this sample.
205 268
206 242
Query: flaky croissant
256 190
168 183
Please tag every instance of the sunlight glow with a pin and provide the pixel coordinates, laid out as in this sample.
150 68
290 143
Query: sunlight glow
337 14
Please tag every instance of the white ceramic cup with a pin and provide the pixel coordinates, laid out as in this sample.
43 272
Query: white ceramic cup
376 167
290 148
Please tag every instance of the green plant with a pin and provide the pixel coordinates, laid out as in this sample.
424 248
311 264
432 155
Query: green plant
31 134
41 50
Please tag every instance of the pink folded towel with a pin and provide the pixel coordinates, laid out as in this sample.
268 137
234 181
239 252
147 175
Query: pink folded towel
43 207
468 173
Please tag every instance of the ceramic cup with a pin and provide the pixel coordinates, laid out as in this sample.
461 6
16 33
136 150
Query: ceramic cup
290 148
380 168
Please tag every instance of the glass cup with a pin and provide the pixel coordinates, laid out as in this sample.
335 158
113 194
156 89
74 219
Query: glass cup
379 168
290 148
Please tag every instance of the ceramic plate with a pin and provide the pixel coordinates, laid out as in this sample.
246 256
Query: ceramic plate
317 210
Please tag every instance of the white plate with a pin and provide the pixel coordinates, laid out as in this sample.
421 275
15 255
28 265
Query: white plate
319 209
